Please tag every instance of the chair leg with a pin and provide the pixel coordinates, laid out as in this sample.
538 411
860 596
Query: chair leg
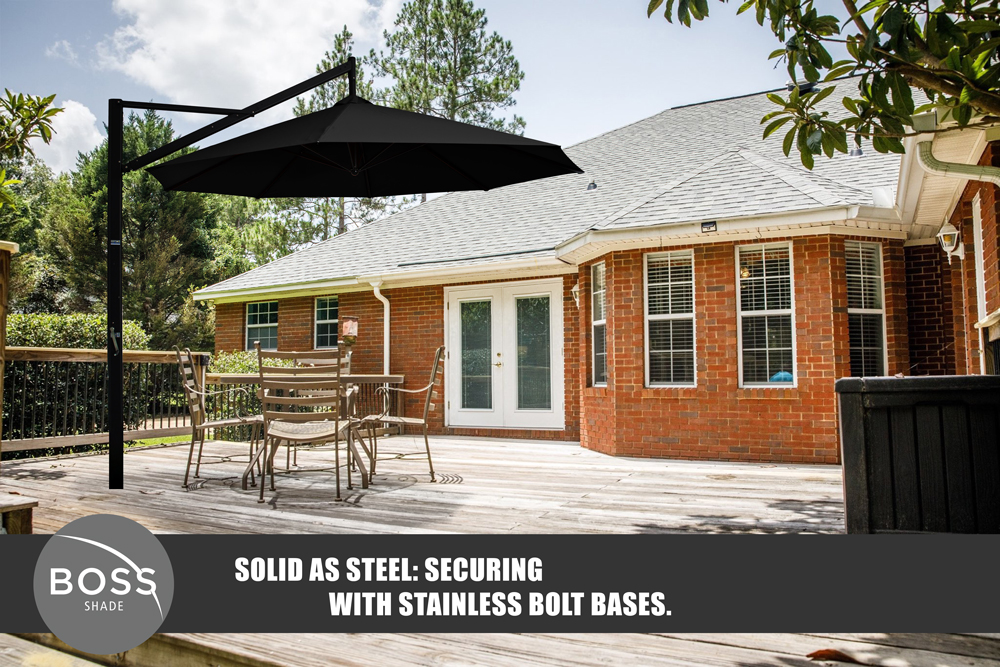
187 471
427 446
336 461
373 438
349 459
201 446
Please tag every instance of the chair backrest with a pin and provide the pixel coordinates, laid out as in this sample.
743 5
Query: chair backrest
301 392
191 384
437 374
331 356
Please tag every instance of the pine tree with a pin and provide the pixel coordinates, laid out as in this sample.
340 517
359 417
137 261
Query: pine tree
444 63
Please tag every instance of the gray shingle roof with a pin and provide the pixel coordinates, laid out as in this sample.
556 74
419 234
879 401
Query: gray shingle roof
698 162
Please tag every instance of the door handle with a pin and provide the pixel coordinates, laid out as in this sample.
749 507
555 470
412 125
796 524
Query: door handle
498 364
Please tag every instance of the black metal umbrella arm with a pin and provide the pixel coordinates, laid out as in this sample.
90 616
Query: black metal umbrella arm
116 107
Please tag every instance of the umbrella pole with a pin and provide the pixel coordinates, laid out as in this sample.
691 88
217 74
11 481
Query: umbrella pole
115 397
115 393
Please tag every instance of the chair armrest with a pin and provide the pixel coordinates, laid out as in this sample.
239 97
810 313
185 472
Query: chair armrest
405 391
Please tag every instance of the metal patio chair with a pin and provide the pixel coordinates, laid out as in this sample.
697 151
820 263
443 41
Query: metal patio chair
372 421
292 452
306 403
195 395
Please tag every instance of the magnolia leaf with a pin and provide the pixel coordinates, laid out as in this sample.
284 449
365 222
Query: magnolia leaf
775 125
653 6
789 139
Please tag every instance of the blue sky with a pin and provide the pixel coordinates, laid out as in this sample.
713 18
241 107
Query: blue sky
591 65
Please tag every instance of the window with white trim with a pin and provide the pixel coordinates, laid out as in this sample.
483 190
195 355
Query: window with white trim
670 318
262 324
597 318
326 322
767 322
865 311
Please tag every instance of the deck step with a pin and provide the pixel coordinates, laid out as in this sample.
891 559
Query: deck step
18 651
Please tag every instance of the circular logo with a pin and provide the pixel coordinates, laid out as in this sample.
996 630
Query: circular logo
103 584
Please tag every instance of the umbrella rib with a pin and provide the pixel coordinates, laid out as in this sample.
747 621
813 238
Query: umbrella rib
200 173
263 193
322 159
456 169
372 164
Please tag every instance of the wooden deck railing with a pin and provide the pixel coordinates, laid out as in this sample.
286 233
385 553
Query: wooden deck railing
56 397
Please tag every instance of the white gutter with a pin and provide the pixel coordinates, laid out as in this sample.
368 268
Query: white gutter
385 325
973 172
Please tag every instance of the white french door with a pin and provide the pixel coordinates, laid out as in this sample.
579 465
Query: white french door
505 355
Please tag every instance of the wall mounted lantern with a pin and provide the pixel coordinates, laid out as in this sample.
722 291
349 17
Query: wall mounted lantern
576 294
951 242
349 330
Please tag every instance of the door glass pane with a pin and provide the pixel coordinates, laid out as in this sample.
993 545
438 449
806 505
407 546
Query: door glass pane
534 372
477 345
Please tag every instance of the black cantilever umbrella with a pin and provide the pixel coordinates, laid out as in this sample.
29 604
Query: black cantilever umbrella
359 149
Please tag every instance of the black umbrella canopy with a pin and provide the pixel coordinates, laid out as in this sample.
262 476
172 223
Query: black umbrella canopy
359 149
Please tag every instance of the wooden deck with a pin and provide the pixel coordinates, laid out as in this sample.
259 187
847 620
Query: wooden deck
677 650
494 486
484 486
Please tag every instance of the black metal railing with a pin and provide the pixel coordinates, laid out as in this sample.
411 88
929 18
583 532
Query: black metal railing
58 397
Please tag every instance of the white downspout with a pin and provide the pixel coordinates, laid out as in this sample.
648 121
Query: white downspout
385 326
973 172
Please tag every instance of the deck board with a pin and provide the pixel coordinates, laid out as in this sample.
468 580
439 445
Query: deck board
484 486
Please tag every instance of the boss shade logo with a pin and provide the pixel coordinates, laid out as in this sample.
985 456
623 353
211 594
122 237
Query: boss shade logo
103 584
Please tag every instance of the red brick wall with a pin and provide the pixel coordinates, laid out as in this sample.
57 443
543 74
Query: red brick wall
717 419
928 300
417 320
964 297
229 335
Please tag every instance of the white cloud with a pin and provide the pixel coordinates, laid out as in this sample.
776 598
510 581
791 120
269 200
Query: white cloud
63 50
75 130
229 53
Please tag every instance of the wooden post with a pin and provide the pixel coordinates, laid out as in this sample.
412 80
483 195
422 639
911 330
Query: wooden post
7 249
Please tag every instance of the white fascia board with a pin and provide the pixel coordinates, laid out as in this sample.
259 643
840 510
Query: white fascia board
279 291
840 220
521 268
542 266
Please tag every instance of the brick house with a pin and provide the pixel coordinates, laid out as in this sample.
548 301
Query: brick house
694 295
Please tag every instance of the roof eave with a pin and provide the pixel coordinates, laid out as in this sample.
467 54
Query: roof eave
855 219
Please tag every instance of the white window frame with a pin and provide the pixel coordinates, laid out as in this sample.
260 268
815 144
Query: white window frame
247 326
760 313
595 323
872 311
670 316
317 322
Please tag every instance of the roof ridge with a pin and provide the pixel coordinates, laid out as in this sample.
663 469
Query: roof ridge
805 182
659 192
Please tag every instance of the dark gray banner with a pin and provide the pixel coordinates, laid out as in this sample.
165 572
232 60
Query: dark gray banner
559 583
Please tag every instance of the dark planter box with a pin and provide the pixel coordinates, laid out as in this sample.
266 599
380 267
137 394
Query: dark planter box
921 454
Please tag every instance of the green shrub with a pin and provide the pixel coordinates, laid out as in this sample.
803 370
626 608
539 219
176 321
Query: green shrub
241 361
70 331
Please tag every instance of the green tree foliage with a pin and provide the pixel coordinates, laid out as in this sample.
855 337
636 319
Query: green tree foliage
948 49
35 284
78 331
166 238
22 118
443 63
